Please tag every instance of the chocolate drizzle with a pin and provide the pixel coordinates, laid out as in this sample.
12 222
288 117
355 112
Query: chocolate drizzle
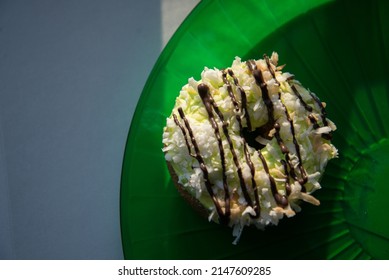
223 217
304 178
257 207
284 149
297 93
322 109
288 189
271 70
257 73
280 199
243 99
232 96
184 133
209 103
327 136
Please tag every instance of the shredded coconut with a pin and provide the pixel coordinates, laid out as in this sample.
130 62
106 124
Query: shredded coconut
312 151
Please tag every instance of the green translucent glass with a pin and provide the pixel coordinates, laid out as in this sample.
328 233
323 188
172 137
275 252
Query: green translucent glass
338 49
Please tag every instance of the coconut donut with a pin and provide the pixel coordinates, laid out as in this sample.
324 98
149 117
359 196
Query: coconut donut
246 144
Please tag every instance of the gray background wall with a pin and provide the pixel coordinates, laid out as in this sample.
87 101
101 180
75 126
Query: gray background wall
71 73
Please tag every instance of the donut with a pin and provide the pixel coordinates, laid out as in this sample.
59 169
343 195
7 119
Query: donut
245 145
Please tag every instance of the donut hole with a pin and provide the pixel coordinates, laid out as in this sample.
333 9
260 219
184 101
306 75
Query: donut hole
252 136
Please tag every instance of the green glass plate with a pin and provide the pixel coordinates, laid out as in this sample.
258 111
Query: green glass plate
338 49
